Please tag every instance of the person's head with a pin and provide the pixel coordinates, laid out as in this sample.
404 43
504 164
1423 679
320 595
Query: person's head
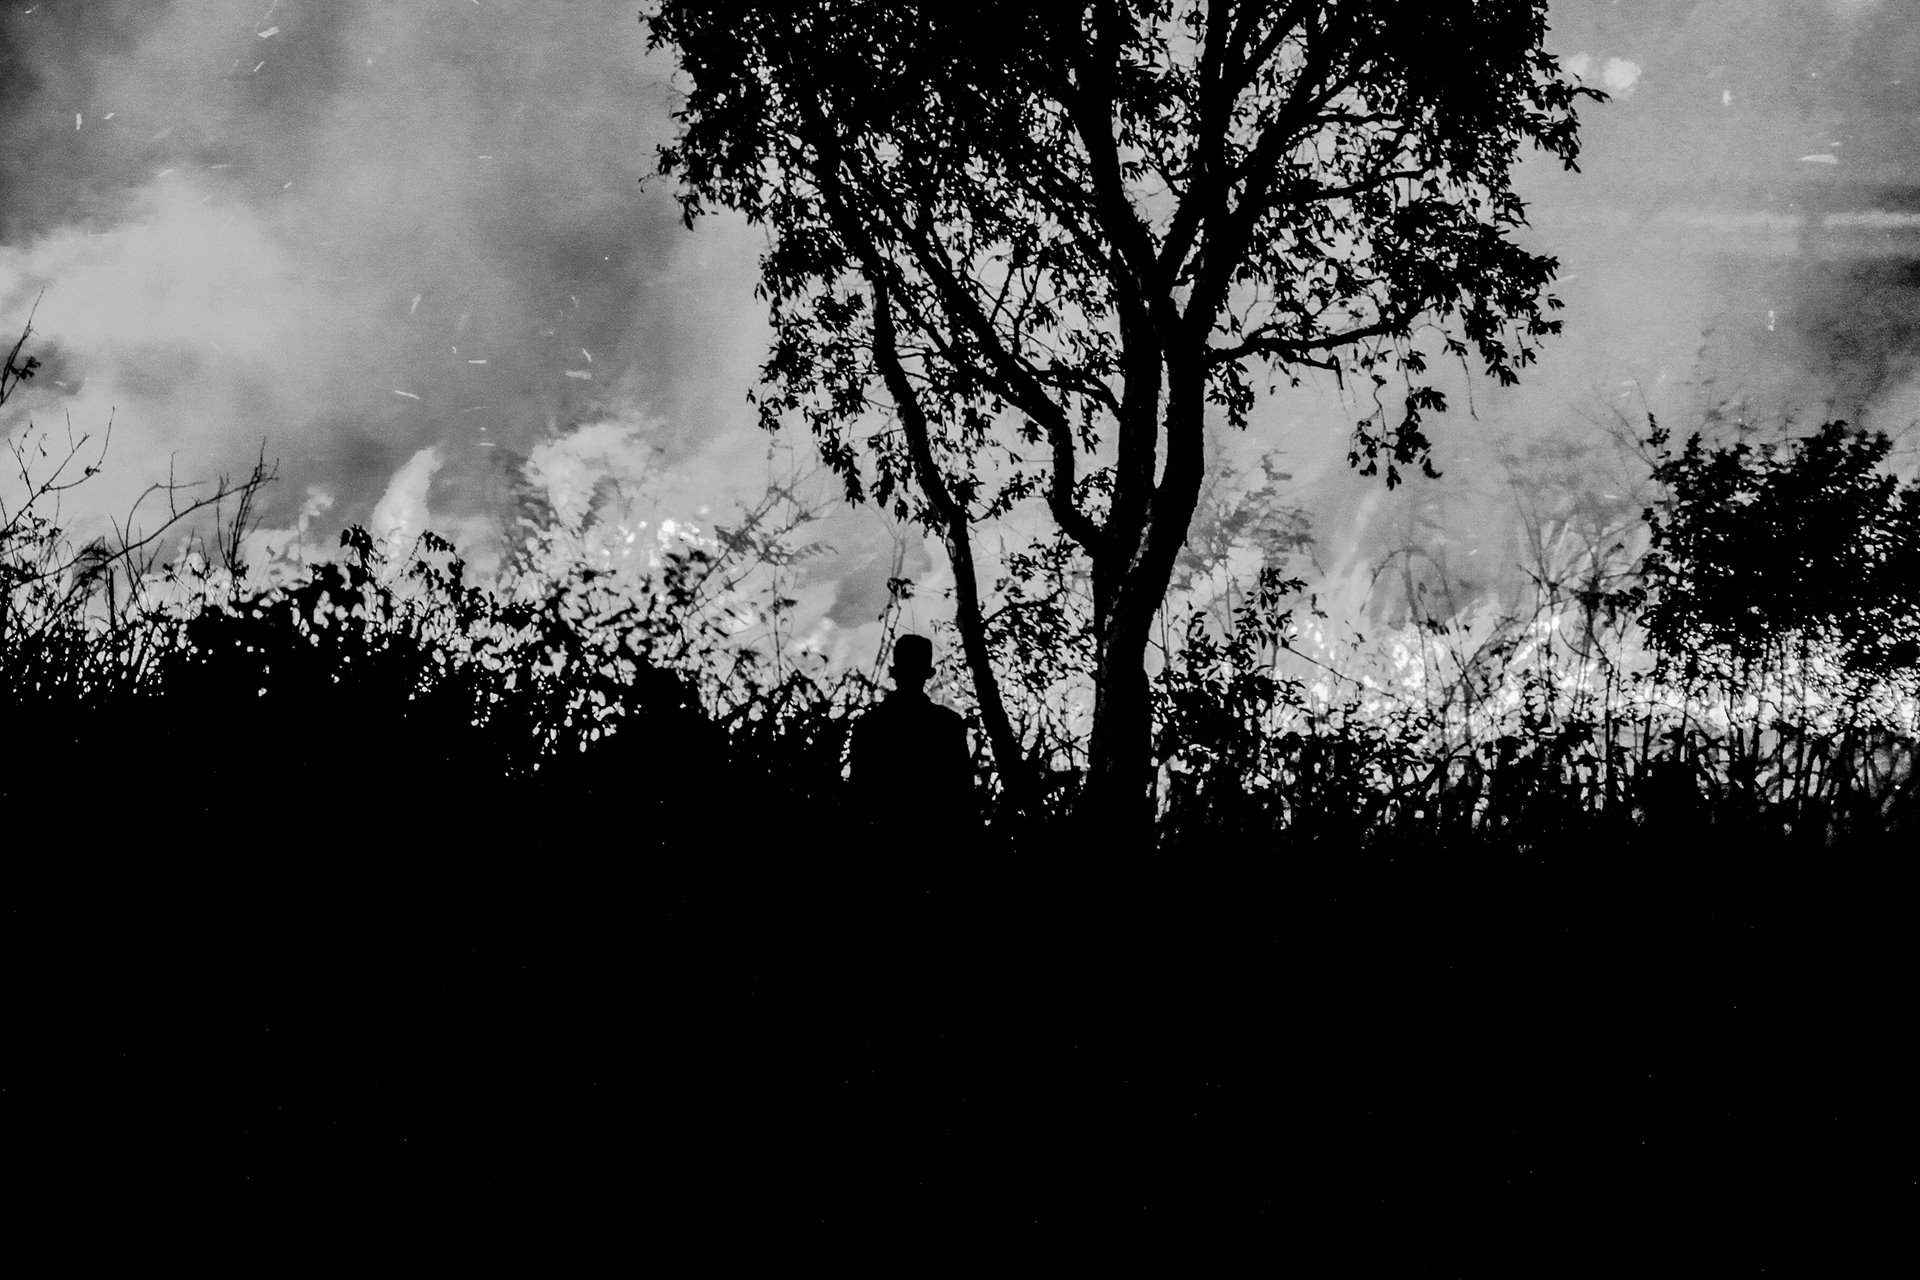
912 662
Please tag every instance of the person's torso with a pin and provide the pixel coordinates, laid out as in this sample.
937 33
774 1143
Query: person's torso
910 746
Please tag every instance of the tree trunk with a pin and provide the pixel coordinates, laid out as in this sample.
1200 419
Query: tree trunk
1008 757
1130 585
1118 802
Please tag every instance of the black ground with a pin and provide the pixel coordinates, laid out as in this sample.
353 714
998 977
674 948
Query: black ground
431 1018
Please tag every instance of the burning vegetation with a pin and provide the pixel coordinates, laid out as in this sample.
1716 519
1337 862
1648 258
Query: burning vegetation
1589 831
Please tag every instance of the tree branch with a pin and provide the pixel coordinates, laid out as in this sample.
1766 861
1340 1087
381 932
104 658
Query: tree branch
1266 342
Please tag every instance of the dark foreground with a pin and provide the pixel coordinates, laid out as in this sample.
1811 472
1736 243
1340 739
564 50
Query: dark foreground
593 1035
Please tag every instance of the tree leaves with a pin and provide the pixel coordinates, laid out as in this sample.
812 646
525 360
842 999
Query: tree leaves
1092 224
1807 542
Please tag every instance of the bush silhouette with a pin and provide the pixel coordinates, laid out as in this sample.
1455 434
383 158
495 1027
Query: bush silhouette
1806 542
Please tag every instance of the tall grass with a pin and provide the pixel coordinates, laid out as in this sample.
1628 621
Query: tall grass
1744 664
1742 659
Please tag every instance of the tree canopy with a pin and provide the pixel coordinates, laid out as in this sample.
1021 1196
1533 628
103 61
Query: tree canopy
1061 238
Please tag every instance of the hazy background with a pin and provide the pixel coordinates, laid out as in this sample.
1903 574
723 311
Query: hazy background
404 244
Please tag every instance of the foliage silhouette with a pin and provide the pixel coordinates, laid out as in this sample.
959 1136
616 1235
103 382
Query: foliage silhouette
1806 543
1061 238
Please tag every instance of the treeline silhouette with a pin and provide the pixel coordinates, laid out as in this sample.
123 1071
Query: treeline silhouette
382 893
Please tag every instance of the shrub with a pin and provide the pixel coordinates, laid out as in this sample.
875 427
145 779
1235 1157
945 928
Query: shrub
1808 544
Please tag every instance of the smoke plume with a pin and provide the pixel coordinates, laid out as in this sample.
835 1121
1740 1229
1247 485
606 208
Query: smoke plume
405 247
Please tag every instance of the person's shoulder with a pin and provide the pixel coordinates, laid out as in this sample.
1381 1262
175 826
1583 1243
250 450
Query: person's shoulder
873 719
886 716
951 723
925 708
908 715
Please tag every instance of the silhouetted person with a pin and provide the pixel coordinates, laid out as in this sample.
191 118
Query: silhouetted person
911 771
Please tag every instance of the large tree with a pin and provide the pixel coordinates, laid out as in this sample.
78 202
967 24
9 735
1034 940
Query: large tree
1060 236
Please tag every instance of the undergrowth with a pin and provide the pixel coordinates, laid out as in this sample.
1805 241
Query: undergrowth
1746 668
